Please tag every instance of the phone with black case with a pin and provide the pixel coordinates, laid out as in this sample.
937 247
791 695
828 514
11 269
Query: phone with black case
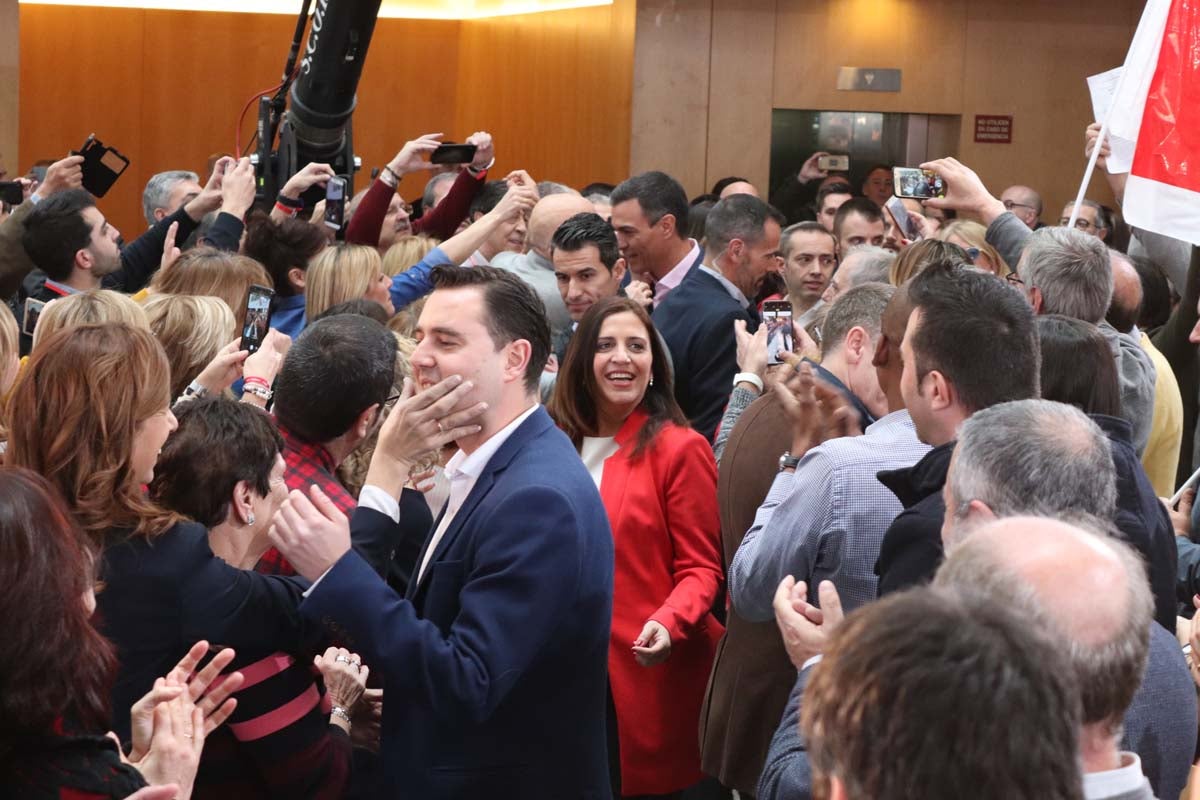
335 202
101 166
258 317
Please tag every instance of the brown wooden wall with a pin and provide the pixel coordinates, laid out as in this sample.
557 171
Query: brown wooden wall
165 87
591 94
708 72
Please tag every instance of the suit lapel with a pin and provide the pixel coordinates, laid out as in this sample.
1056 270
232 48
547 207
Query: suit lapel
617 468
528 430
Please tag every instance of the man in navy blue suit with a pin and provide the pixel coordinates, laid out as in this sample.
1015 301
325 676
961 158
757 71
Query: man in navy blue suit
494 665
696 320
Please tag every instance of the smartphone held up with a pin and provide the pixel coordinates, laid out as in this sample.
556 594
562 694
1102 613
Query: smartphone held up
918 184
258 317
777 316
335 202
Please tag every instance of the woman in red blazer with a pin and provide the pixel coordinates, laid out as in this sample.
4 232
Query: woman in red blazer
658 480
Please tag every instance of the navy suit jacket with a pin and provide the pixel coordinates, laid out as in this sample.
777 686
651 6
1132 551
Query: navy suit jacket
164 594
696 321
495 664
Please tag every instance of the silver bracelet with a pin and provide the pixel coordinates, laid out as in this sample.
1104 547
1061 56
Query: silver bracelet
338 711
264 394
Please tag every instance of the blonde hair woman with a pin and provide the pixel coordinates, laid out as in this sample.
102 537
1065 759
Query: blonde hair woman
192 330
406 253
971 236
87 308
10 365
345 272
206 271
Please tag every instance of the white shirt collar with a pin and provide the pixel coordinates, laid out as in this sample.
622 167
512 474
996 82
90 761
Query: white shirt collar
1114 782
461 464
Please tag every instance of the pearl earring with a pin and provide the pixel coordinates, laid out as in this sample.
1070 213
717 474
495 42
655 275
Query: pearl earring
651 381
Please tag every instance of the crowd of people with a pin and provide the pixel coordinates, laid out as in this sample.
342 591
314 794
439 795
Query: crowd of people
507 496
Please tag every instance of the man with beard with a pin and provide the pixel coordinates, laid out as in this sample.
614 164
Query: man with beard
696 319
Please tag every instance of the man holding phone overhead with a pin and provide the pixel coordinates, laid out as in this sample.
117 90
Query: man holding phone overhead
62 233
379 216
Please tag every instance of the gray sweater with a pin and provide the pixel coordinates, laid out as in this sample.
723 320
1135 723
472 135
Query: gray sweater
1135 369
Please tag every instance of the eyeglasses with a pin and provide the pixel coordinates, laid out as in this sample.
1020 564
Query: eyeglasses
390 403
1081 224
1014 279
973 253
1009 205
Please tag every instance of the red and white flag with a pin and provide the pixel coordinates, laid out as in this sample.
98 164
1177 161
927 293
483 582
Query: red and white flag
1156 114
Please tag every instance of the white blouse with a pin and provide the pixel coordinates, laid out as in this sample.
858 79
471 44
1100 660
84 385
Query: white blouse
594 451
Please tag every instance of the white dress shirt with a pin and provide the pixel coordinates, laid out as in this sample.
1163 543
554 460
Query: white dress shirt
463 471
1128 780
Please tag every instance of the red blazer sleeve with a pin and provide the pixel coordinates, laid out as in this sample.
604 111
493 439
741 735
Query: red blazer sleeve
443 221
694 526
367 221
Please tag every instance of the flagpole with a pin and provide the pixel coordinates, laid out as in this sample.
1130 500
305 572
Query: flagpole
1091 167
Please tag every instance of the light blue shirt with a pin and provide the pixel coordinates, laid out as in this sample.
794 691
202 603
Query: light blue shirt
826 520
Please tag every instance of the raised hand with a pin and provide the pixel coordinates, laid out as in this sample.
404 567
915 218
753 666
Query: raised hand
312 175
412 156
485 150
1090 136
66 173
170 251
964 190
810 171
751 348
209 198
237 188
519 200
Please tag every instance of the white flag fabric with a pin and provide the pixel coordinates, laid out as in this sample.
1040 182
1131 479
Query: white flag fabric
1156 107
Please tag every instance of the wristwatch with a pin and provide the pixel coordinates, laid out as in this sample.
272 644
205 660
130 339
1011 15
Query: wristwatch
788 461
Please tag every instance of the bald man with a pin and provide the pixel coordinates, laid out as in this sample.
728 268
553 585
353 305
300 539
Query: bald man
1132 675
1089 592
1024 203
535 267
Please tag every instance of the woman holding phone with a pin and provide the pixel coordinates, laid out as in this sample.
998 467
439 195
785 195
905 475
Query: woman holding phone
658 480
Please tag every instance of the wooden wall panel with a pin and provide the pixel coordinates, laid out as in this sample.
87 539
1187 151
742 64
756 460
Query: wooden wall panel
1025 58
671 90
923 38
743 52
554 89
10 82
166 88
75 82
1031 61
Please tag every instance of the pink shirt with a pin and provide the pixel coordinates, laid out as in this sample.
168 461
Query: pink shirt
669 281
